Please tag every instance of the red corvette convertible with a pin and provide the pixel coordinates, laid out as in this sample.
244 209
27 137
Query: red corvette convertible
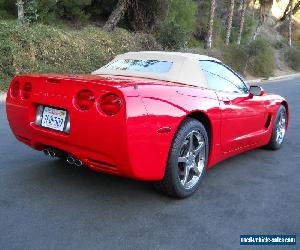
157 116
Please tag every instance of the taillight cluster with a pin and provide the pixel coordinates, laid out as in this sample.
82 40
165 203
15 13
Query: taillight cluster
26 90
110 104
15 89
85 99
21 90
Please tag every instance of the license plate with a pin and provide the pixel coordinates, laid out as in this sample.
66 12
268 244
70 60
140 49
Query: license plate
54 118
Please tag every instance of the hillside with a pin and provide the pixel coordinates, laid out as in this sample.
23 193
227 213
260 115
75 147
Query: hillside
80 37
43 48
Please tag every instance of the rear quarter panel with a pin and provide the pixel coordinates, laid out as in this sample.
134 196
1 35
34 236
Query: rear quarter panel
166 107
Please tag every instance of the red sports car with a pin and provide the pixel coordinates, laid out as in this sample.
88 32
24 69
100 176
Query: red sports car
156 116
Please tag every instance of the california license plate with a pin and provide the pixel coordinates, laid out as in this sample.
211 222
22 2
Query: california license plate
54 118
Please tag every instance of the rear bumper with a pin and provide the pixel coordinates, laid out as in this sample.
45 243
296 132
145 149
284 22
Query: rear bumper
100 146
115 145
125 144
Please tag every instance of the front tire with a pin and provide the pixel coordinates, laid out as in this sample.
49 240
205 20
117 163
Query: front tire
187 160
279 129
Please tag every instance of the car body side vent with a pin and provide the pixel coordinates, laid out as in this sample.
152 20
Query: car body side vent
268 122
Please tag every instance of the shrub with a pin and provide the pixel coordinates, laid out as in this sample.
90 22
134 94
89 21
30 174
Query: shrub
145 41
183 14
292 58
175 31
47 11
42 48
260 58
31 11
73 10
249 24
7 9
236 57
172 36
280 44
257 58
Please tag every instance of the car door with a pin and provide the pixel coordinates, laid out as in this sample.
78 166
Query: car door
243 117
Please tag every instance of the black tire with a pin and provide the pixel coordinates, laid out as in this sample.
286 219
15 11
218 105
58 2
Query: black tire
171 184
275 144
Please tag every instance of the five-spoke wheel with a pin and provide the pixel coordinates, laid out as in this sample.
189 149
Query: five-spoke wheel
187 160
279 129
191 161
281 126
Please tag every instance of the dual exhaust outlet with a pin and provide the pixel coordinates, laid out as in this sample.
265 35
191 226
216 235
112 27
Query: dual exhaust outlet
74 161
60 154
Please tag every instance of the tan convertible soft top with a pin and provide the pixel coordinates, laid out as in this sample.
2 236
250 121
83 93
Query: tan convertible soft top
185 68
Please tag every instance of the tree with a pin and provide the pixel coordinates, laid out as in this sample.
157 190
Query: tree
288 9
265 7
73 10
176 28
31 11
117 14
20 5
8 9
290 22
229 22
253 6
211 24
145 15
242 20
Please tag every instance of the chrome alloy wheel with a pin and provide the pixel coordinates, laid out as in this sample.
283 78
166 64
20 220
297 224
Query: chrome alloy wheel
281 127
191 161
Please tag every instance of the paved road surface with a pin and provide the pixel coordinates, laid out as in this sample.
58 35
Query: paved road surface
46 205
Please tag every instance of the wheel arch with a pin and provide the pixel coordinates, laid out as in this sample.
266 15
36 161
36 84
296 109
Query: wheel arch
204 119
285 104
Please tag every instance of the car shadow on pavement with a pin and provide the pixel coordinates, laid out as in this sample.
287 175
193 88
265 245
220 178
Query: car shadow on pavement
56 176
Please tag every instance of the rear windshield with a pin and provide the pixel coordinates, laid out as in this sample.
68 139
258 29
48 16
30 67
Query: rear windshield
148 66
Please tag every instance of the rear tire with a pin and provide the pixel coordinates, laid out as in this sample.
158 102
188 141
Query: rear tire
187 160
279 129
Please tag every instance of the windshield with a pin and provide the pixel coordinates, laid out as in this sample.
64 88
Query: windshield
149 66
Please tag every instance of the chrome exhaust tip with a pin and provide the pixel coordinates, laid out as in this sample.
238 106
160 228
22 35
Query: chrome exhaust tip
78 163
74 161
52 153
71 160
46 151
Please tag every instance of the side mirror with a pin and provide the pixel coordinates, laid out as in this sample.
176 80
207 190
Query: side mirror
256 91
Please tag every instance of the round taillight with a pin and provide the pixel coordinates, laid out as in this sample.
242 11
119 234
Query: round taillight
111 104
85 99
15 89
26 90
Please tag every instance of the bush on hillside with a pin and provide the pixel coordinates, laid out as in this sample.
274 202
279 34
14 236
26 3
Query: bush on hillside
281 44
7 9
249 25
292 58
183 14
236 57
41 48
257 58
144 41
73 10
172 36
261 58
176 29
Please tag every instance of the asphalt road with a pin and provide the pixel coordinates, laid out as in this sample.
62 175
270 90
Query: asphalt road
44 204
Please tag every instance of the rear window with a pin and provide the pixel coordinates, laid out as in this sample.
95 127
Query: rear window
148 66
